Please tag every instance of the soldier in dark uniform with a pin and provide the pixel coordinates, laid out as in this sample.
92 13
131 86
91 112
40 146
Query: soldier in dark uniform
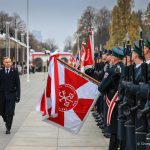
107 66
109 88
100 104
130 98
9 92
125 76
146 121
142 125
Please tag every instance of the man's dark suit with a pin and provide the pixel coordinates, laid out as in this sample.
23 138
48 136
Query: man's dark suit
9 94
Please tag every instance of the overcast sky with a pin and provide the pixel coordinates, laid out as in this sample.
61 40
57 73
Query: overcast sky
57 19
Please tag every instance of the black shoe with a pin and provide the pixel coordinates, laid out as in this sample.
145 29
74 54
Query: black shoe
95 115
100 123
8 132
107 135
101 126
99 120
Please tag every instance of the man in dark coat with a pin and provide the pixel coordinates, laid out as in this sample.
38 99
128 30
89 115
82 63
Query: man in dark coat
9 92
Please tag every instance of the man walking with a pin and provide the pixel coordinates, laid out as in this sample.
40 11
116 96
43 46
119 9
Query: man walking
9 92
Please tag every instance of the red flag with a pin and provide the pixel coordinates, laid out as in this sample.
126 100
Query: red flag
88 61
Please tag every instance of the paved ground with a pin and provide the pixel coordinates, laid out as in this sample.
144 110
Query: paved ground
30 133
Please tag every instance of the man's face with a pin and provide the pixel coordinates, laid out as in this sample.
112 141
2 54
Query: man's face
108 58
7 63
134 56
104 56
146 50
113 60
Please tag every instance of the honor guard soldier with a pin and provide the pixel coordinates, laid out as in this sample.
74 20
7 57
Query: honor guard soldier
142 90
146 110
129 102
125 76
109 88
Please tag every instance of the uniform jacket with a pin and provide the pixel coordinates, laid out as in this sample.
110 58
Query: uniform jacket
109 86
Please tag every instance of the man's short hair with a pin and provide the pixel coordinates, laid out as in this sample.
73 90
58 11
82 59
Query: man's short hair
5 58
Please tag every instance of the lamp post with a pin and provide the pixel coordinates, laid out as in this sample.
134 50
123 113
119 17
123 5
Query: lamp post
7 39
92 40
23 52
16 50
28 79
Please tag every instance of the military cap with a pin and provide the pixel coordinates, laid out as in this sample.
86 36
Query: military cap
137 48
104 51
109 52
147 41
117 52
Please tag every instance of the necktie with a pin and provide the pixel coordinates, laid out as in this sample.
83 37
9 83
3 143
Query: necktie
7 71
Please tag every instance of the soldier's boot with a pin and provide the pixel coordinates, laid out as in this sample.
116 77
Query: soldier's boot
122 145
113 143
107 135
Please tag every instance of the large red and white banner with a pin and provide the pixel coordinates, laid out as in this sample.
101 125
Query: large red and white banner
68 97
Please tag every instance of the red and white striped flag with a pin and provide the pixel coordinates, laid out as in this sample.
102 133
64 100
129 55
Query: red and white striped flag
88 61
67 101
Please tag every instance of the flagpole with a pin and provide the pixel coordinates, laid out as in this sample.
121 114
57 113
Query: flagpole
81 73
28 79
92 42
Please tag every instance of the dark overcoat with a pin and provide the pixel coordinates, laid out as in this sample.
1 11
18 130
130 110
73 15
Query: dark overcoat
9 91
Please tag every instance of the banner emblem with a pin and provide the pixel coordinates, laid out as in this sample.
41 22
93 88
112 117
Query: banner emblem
68 97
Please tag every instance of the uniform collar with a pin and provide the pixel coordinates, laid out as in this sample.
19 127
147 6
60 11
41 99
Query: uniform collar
7 68
138 65
148 61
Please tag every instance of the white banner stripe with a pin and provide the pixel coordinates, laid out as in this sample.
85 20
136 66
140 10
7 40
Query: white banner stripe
71 121
87 91
61 73
53 97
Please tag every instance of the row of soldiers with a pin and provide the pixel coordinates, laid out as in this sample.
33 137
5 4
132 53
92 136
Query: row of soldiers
123 108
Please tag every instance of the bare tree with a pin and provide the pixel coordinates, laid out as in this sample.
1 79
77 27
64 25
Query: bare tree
85 22
35 44
68 43
52 46
102 23
17 22
4 17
